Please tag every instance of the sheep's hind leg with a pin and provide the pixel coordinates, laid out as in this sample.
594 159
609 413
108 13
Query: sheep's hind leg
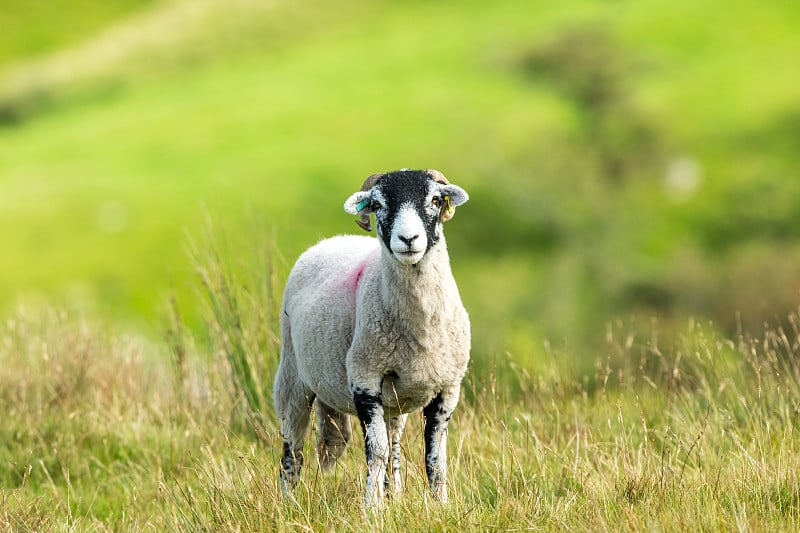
294 426
437 416
293 402
334 434
395 427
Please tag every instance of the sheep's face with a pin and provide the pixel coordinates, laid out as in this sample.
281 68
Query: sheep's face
409 207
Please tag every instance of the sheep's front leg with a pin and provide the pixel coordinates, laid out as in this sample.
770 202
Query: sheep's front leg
395 427
369 408
437 416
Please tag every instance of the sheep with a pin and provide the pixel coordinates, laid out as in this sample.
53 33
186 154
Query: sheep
375 328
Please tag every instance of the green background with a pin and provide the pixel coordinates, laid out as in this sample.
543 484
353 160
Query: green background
625 160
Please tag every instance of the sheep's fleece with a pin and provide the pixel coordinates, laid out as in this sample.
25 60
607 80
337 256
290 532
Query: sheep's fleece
376 328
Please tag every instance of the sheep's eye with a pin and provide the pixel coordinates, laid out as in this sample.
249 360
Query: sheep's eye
376 206
436 201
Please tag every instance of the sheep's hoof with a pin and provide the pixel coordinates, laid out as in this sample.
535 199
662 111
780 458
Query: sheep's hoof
375 496
288 483
440 493
373 503
329 451
328 458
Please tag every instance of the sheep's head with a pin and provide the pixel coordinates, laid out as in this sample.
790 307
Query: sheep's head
410 207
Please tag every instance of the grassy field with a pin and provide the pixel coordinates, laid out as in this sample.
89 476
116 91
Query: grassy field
629 255
621 159
107 432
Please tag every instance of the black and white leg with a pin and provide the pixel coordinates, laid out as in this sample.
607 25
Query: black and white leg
291 464
395 428
437 416
369 407
294 425
293 401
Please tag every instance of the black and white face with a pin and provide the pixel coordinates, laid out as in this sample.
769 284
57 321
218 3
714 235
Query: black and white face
408 206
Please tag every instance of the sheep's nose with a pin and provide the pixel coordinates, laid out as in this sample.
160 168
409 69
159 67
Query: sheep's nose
408 240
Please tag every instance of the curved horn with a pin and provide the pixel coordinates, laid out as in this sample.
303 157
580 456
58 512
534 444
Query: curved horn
363 219
371 181
437 176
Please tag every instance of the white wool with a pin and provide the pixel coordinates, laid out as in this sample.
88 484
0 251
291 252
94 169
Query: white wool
360 320
409 321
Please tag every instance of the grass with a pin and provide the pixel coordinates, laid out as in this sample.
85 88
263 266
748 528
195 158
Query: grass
114 142
105 431
38 28
560 119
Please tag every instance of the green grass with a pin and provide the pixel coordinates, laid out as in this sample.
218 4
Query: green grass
32 29
125 127
281 111
102 432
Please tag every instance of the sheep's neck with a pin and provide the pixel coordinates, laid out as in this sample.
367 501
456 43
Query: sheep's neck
418 295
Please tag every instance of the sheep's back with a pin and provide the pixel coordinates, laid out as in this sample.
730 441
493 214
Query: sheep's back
319 305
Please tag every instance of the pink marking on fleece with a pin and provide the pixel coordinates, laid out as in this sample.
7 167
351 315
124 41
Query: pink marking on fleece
353 280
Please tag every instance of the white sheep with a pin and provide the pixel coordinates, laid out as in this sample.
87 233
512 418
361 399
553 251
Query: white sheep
376 328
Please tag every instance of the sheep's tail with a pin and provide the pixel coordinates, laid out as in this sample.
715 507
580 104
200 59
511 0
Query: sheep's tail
334 434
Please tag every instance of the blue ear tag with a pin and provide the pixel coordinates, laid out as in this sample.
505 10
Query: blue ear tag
361 205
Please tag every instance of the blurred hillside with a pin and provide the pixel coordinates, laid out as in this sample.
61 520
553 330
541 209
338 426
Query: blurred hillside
623 159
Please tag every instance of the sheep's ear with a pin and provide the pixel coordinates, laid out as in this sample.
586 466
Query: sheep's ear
358 202
453 196
457 195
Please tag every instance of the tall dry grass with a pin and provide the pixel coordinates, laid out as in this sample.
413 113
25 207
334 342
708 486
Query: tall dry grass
105 431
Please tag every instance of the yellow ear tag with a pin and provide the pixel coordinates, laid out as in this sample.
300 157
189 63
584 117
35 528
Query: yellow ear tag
447 207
